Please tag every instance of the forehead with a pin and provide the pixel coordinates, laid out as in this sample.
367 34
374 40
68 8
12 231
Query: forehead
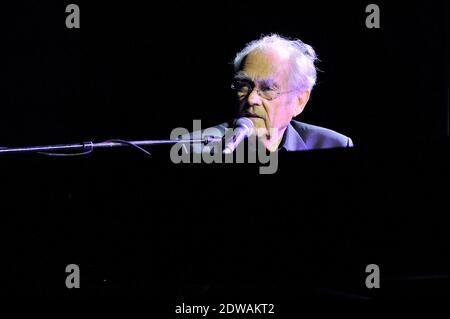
265 65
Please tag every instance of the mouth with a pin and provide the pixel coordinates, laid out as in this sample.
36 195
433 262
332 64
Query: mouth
255 116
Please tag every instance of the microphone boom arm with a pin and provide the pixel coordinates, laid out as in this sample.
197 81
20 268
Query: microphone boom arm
87 147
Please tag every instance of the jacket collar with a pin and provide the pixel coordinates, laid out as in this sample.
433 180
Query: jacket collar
292 141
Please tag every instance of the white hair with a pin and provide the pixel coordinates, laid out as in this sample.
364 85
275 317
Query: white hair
302 56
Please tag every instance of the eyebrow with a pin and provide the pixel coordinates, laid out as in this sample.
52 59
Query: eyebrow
269 82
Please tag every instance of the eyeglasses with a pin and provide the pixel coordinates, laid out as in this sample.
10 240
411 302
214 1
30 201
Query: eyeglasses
245 88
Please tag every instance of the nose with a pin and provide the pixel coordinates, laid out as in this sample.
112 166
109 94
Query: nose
253 98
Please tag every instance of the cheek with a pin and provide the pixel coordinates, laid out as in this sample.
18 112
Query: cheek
281 114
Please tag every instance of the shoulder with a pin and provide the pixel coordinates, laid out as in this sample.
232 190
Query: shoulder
316 137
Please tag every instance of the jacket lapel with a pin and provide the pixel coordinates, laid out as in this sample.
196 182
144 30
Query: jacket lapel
292 141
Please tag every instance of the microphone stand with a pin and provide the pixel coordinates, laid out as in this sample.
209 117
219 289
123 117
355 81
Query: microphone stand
87 147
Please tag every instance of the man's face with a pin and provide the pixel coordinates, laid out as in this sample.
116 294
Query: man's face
268 72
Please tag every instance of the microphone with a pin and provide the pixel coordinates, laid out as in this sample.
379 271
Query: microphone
243 127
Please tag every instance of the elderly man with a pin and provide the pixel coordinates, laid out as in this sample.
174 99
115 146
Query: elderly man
273 80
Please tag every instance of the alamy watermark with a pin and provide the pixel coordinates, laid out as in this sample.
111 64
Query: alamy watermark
73 17
373 19
253 151
73 277
373 279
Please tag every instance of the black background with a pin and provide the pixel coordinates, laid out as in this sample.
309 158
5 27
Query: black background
139 226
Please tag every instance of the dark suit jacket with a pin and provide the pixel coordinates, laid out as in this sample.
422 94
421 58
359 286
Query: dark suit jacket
301 137
298 136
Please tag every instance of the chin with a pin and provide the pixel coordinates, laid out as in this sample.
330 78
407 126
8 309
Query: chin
259 122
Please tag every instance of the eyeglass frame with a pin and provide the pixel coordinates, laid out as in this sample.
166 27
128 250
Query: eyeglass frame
253 85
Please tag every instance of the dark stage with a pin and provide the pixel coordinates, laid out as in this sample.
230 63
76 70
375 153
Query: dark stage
142 226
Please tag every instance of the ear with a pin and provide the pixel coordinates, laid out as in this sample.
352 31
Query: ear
302 99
